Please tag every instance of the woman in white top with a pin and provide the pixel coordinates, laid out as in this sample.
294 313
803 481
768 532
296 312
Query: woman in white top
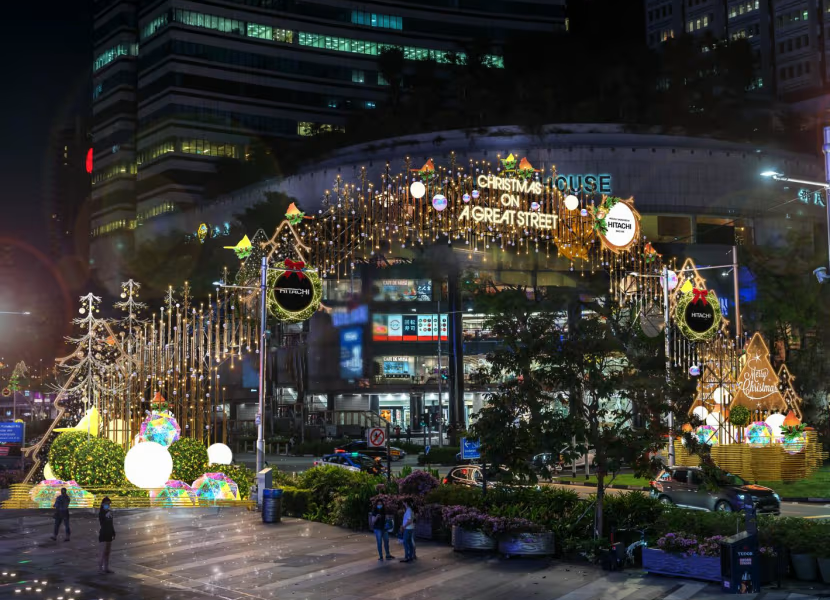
408 527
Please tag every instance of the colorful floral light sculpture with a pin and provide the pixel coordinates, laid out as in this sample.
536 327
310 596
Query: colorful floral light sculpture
160 427
795 444
216 486
44 493
706 434
759 435
174 493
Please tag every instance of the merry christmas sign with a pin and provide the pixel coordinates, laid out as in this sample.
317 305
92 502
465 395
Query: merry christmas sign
758 384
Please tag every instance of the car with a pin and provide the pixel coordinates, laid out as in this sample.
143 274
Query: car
351 461
473 476
362 446
685 487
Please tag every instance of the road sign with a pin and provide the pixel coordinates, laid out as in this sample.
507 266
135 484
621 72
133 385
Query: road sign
12 433
470 449
426 450
377 437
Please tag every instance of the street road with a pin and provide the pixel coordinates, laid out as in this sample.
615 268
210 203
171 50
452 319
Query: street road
297 464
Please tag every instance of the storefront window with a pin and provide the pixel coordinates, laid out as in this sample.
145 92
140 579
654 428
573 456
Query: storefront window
399 290
340 290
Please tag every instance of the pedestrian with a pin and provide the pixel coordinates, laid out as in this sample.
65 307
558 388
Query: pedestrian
379 525
105 535
62 514
408 527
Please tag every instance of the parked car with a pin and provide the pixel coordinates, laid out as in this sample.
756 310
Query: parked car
351 461
362 446
472 476
685 487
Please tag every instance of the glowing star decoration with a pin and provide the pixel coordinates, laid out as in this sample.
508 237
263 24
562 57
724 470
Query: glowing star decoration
426 172
509 163
465 198
174 493
706 434
294 215
44 494
417 189
219 454
161 428
759 435
571 202
242 249
148 465
439 202
216 486
90 423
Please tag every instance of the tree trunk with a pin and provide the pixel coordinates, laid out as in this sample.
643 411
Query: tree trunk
600 498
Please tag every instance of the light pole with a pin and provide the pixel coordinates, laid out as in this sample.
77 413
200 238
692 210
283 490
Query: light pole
440 392
14 392
823 185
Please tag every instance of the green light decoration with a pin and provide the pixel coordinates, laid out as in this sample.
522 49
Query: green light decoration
702 298
600 212
294 308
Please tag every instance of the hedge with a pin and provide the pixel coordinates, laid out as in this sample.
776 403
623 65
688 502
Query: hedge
295 501
242 476
440 456
63 450
99 462
190 459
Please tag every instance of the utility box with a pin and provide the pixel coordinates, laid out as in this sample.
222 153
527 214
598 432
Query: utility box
263 482
740 564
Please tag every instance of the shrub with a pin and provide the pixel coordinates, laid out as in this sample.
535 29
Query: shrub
99 462
690 545
242 476
351 509
190 459
632 510
440 456
739 416
295 501
328 482
63 450
454 495
699 524
417 483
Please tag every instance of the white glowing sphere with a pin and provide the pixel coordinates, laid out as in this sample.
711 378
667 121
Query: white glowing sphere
714 419
148 465
701 413
219 454
417 189
775 422
721 396
48 473
571 202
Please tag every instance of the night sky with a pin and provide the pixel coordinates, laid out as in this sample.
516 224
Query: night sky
46 50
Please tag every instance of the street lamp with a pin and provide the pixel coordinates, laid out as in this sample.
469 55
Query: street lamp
821 272
8 312
440 392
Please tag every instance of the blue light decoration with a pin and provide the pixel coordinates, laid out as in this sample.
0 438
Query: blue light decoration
535 206
588 183
351 353
439 202
160 427
476 194
466 198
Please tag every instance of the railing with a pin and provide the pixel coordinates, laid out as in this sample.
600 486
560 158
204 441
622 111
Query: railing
357 418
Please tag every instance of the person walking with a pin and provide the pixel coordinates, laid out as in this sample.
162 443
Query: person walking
408 527
62 514
379 526
105 535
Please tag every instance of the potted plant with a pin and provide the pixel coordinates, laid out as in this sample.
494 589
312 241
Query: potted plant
769 564
801 541
468 528
429 523
520 537
822 552
681 554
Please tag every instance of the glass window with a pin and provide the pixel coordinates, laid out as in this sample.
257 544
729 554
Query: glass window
358 76
680 475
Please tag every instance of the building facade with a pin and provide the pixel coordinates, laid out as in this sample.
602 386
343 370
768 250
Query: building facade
697 197
788 38
181 84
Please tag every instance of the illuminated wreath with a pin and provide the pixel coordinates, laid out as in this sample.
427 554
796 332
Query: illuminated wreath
276 309
683 302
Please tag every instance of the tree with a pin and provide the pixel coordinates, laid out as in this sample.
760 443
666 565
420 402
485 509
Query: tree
573 383
391 67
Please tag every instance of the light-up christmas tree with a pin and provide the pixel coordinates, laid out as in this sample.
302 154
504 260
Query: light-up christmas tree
131 323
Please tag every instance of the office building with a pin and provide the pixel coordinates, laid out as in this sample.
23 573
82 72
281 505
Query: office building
181 84
788 39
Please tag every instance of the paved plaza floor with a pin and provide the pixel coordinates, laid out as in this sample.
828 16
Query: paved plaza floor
200 554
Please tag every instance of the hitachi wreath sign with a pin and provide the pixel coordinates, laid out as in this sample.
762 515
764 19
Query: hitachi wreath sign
294 292
698 314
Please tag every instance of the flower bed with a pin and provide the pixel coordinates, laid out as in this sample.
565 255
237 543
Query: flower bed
686 555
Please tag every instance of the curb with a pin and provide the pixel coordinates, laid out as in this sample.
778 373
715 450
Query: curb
637 488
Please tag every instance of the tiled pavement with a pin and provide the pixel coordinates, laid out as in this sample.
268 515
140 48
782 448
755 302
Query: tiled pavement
200 554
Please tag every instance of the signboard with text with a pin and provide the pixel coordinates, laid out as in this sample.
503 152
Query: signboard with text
12 433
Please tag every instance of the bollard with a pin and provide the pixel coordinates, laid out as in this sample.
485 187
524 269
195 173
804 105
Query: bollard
271 505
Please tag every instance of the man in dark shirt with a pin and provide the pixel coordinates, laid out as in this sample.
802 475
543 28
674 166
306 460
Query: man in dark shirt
62 514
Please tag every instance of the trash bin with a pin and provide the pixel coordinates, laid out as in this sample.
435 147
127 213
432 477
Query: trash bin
271 505
740 564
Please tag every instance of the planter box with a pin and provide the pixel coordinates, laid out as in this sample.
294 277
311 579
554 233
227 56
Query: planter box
526 544
824 569
769 569
430 529
705 568
805 567
463 539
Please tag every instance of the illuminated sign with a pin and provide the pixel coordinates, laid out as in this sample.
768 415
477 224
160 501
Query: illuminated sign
409 328
600 183
356 316
89 161
815 197
351 353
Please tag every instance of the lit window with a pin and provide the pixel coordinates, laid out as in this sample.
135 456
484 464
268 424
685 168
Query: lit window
153 26
358 76
113 53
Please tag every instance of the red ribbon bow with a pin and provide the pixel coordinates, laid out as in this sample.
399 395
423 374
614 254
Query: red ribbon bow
699 295
296 267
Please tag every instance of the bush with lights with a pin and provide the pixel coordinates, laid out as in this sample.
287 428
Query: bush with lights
241 475
190 459
99 462
63 451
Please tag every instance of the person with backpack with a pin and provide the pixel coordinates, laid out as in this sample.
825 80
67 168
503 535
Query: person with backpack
62 514
381 528
105 535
